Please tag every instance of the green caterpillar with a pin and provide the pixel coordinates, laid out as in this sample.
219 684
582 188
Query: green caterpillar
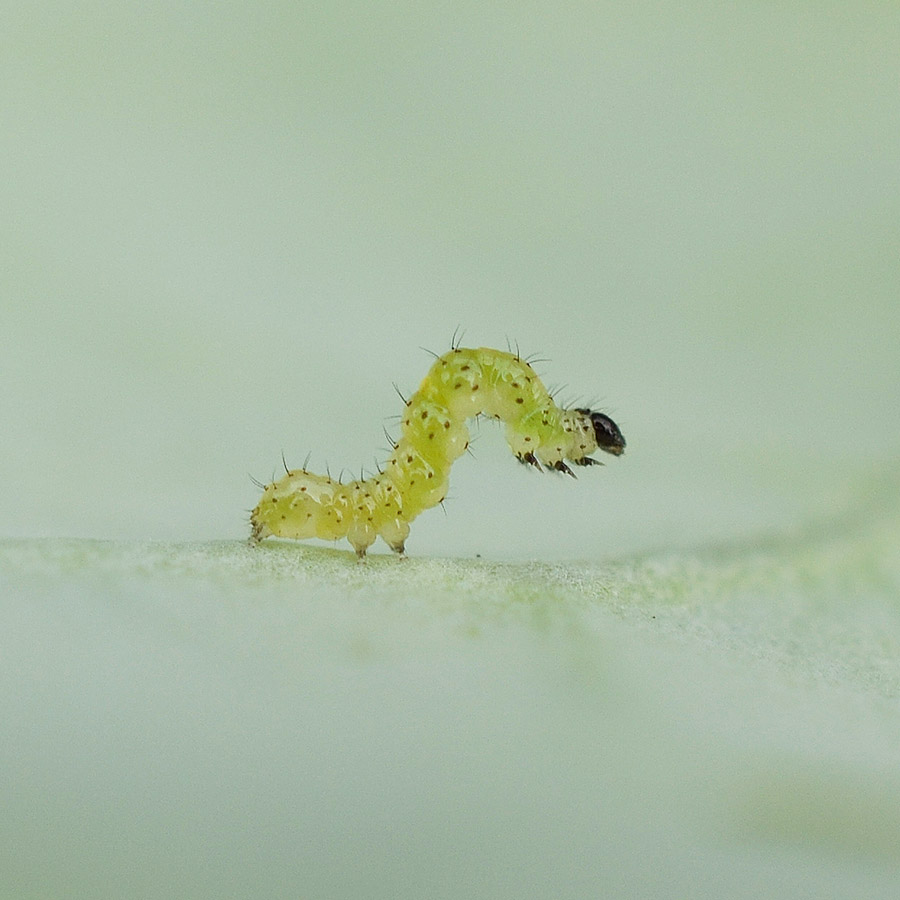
460 385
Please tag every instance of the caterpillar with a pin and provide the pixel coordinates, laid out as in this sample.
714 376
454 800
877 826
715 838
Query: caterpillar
462 384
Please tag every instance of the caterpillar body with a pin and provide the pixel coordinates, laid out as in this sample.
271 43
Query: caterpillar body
461 384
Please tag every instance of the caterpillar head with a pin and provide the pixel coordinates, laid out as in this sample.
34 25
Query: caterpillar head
606 432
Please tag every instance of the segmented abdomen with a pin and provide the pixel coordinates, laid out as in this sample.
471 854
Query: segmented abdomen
460 385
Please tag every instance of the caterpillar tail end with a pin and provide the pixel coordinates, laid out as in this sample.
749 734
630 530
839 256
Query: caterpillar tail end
258 531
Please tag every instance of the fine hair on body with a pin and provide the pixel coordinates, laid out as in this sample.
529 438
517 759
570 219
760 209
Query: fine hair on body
462 384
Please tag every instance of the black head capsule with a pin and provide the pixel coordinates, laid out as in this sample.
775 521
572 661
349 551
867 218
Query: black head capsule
606 432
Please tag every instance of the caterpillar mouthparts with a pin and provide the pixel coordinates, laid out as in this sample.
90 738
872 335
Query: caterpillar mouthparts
461 384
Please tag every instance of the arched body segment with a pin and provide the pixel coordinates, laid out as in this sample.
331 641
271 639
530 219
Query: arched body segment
461 384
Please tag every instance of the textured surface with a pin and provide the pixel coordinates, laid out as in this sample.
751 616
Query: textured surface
214 720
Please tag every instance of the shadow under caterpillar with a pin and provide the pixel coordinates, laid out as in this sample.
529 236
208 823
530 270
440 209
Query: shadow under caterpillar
461 384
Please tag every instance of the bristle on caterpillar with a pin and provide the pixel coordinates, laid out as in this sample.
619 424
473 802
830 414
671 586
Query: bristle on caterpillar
460 385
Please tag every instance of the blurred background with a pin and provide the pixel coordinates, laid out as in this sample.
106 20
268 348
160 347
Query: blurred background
228 228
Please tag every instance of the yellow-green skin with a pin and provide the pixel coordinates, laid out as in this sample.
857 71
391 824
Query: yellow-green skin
460 385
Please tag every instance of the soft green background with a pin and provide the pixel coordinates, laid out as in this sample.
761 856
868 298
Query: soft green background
226 229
